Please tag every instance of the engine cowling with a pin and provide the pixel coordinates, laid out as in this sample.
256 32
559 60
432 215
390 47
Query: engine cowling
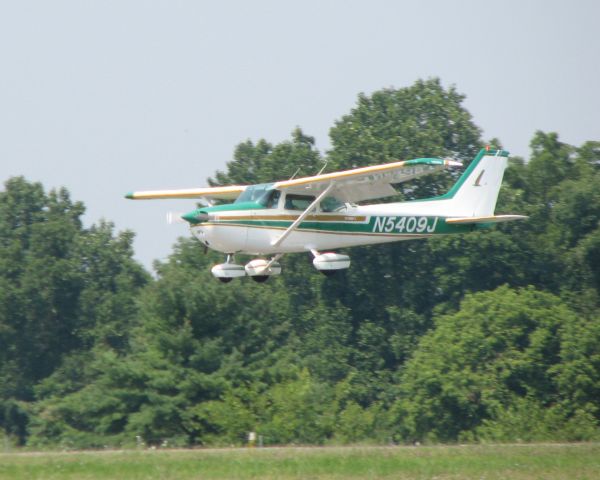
331 261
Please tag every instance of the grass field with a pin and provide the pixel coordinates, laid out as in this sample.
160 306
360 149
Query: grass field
515 462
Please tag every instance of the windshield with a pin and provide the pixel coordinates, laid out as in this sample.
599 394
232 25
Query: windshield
254 193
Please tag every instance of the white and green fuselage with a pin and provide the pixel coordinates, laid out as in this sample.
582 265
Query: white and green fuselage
256 221
255 230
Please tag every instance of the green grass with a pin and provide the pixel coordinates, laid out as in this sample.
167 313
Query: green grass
515 462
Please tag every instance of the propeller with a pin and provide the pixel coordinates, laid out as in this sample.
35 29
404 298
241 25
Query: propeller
174 217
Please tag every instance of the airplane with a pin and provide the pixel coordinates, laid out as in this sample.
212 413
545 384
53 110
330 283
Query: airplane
322 213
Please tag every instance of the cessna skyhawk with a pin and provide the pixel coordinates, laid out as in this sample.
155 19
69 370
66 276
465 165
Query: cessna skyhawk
320 213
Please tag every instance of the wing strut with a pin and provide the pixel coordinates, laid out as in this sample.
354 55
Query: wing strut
304 214
272 261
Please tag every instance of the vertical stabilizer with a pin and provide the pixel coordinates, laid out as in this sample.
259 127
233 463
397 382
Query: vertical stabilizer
476 191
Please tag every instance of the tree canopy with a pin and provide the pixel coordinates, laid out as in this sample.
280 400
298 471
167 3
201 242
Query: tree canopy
493 335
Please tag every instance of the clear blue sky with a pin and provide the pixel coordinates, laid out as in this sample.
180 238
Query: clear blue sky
105 97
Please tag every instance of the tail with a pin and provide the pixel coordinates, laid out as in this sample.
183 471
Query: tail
473 197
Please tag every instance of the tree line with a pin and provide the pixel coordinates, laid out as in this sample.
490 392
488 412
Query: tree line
489 336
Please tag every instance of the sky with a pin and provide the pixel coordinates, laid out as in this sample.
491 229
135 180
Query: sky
106 97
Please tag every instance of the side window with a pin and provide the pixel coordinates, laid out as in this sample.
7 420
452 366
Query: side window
298 202
332 204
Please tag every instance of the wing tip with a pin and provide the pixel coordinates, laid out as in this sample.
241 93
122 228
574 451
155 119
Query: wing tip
449 162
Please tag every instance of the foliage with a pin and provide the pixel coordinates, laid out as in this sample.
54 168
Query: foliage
263 162
423 120
490 336
504 355
526 420
64 290
418 121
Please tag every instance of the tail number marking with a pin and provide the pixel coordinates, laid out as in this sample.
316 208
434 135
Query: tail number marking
404 224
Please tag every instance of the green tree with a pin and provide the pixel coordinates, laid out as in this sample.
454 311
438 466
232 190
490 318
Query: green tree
41 283
193 341
264 163
423 120
63 289
557 190
501 346
488 336
550 164
301 411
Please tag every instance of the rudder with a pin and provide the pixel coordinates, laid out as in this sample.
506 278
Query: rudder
476 191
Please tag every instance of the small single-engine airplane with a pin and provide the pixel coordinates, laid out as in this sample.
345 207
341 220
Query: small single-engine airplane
319 213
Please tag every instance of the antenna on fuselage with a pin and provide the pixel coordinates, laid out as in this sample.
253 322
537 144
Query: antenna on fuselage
295 173
323 168
206 201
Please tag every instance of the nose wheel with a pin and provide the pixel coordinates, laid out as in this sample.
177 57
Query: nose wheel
226 272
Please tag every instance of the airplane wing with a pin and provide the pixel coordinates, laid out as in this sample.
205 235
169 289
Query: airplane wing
366 183
220 193
350 185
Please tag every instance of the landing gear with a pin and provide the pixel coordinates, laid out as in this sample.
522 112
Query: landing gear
330 262
260 278
261 269
258 269
328 273
226 272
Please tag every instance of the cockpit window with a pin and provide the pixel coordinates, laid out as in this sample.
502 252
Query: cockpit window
332 204
254 193
298 202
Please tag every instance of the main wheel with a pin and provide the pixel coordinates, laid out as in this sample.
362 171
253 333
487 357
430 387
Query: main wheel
225 279
328 273
260 278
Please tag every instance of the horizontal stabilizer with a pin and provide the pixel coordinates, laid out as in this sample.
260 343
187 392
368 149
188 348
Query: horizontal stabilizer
490 219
